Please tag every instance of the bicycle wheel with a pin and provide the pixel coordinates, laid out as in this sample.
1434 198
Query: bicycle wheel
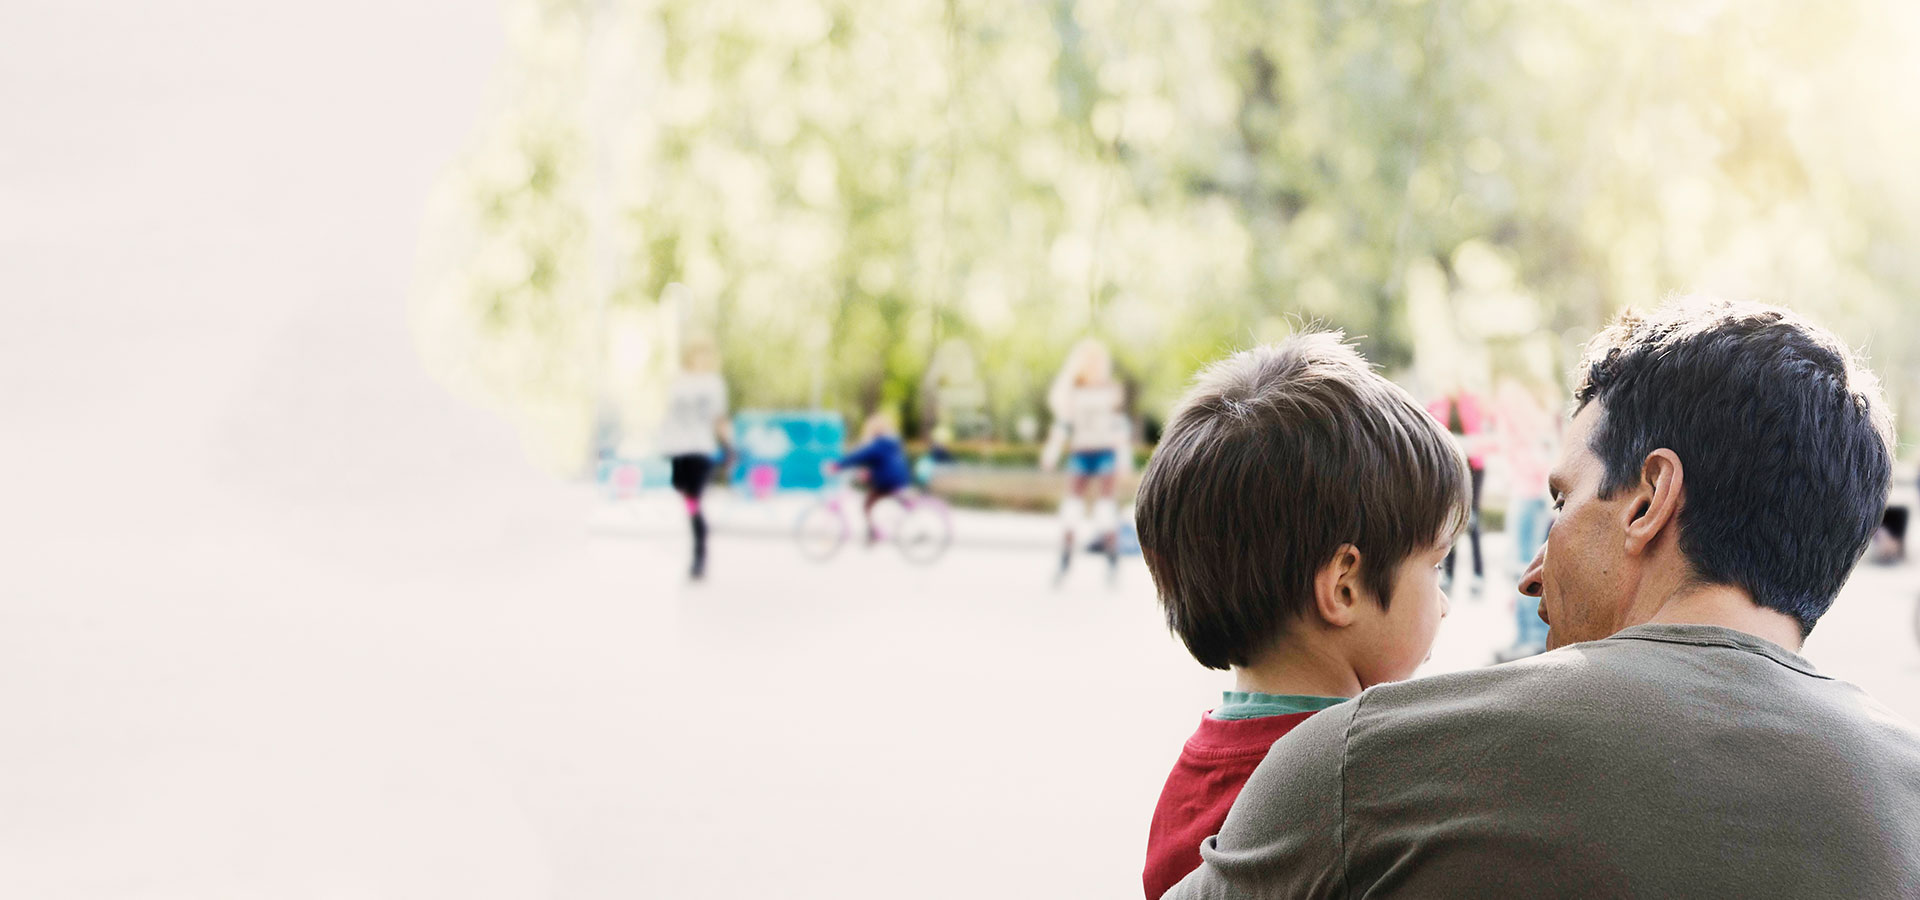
924 530
820 531
886 517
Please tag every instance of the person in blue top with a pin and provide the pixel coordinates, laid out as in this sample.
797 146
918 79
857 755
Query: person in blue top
884 458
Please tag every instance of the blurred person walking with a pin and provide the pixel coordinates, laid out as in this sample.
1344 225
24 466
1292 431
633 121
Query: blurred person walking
1465 417
1527 437
695 435
1091 431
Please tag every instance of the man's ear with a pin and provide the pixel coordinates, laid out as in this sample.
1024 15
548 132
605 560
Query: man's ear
1655 504
1336 587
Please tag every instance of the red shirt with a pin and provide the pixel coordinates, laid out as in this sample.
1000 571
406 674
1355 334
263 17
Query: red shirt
1213 767
1473 423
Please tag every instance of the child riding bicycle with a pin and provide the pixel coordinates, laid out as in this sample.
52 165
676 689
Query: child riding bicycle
884 459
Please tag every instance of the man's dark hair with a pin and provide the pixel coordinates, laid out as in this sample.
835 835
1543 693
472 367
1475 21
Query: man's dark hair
1276 457
1782 435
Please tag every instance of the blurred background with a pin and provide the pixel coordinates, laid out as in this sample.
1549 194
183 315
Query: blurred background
960 191
345 349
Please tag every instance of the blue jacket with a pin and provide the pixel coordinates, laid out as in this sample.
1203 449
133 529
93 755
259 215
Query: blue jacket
885 460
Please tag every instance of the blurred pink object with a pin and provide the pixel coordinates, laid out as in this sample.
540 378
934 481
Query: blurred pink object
1462 414
762 479
626 480
1529 438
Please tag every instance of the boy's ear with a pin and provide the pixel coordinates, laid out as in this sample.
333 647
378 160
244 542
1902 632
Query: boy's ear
1336 587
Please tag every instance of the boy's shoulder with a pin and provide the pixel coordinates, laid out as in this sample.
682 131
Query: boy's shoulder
1227 738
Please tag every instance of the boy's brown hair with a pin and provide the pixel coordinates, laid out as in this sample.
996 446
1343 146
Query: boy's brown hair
1275 458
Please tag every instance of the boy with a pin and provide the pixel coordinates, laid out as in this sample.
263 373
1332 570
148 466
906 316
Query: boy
1294 518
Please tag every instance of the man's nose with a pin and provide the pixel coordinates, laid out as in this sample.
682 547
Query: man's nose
1530 583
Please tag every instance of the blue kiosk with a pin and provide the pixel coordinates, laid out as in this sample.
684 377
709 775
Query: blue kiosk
784 449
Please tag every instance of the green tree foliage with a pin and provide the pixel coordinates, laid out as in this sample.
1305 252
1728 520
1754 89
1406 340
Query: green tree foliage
838 188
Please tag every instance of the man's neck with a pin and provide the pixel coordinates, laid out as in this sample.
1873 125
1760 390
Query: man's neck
1297 670
1728 607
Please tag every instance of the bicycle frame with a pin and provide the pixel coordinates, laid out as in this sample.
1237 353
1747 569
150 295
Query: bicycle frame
921 533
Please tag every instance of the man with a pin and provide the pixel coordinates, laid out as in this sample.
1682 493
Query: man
1724 472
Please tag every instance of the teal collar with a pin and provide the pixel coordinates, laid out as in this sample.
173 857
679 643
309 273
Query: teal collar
1255 705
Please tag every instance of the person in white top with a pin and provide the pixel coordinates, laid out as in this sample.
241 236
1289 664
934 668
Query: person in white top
694 431
1091 431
